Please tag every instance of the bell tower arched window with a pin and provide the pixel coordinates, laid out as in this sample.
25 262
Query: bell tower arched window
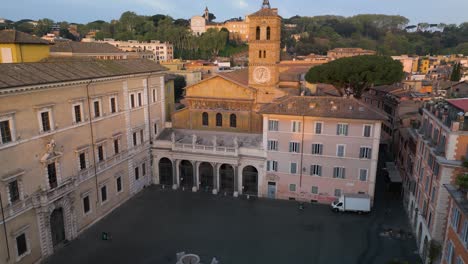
233 120
257 34
259 54
268 33
264 54
219 120
205 119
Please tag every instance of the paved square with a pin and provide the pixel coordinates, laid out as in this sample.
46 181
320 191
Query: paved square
156 224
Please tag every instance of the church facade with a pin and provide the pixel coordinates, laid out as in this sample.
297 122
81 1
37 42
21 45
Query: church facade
244 133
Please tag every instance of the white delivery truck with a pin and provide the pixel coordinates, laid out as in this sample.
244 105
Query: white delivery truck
360 203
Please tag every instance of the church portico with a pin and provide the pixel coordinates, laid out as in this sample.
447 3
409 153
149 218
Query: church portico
226 163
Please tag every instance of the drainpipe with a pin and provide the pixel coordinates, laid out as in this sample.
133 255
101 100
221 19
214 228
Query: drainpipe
148 97
302 151
92 140
4 228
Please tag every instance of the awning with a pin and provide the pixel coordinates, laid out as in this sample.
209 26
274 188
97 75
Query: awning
393 172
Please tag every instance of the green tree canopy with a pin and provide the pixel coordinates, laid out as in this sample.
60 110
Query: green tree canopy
357 73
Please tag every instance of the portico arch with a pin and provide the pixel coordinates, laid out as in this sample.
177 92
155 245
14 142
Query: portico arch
250 180
226 175
206 176
186 174
165 172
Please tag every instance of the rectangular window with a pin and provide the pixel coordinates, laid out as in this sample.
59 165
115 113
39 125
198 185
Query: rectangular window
272 165
21 245
82 158
464 233
119 184
13 189
340 150
140 103
45 121
52 175
132 100
296 126
314 190
273 125
436 169
365 153
293 168
294 147
86 205
97 109
273 145
77 113
455 218
292 187
339 172
317 149
316 170
449 252
155 128
100 153
116 146
5 132
363 174
143 169
103 194
142 138
113 105
433 194
137 173
318 128
134 138
154 95
342 129
337 192
367 130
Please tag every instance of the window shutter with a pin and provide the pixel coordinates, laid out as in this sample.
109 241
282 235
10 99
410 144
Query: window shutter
338 129
319 171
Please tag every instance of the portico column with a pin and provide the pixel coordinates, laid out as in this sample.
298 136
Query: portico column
236 181
215 178
239 180
175 174
195 175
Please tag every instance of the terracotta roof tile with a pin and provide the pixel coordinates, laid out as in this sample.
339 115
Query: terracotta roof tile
265 12
84 47
321 106
24 74
13 36
239 76
461 103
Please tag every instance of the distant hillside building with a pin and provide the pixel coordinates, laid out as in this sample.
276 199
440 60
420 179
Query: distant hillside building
16 47
238 28
163 51
348 52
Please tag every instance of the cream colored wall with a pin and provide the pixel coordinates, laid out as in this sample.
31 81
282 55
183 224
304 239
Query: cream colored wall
29 147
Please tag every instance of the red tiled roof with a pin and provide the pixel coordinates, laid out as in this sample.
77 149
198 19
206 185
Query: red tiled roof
461 103
239 76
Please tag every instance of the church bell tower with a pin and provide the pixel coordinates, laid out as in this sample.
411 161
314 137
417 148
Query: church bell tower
264 48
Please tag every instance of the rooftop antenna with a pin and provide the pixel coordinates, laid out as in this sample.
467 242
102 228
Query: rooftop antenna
266 4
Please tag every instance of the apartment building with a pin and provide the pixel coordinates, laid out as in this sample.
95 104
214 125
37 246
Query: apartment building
74 144
320 147
442 141
163 51
455 245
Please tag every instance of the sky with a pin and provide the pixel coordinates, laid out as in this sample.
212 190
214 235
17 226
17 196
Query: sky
83 11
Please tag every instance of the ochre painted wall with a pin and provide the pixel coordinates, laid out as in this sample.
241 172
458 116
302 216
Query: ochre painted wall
26 52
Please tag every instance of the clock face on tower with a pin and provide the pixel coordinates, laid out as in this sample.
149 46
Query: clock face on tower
261 74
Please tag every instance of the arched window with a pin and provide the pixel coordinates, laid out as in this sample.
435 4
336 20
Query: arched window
233 120
205 119
259 54
219 120
268 33
264 54
257 35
